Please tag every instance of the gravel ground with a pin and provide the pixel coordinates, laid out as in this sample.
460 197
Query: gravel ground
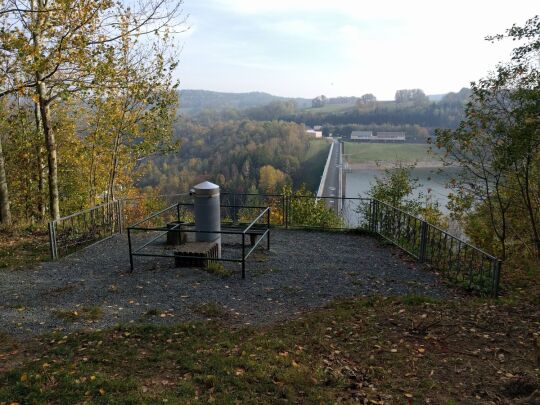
303 270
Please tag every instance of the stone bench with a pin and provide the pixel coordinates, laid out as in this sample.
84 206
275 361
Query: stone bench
196 254
253 233
177 235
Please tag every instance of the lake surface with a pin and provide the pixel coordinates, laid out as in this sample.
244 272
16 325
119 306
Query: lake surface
432 181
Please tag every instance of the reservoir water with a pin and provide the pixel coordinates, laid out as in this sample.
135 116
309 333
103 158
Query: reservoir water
432 182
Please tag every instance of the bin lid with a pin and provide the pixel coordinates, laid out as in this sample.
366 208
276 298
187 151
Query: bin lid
206 188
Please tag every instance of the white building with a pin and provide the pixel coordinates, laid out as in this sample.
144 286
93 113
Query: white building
361 135
380 137
313 133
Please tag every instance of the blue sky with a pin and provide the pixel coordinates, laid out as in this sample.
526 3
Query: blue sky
303 48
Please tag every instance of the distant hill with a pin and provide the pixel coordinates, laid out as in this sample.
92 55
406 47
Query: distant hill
194 101
436 97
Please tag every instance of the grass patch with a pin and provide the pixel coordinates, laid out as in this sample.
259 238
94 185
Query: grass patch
218 269
152 312
22 248
211 310
91 313
260 257
379 349
413 300
331 108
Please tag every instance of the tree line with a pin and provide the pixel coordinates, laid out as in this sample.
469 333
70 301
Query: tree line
446 113
411 109
241 156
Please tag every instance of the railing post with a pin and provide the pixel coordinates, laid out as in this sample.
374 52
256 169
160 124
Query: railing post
130 254
373 215
52 241
284 223
243 255
286 210
234 209
120 208
268 228
423 242
289 210
496 278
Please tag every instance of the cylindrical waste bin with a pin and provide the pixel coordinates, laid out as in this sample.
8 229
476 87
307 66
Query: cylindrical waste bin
207 213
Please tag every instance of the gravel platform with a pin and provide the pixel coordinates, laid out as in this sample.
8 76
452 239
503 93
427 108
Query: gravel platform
302 271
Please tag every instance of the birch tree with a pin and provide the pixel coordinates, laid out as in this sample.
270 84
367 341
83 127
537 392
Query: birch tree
5 211
55 49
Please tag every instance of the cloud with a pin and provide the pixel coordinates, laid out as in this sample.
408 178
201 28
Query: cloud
360 10
302 46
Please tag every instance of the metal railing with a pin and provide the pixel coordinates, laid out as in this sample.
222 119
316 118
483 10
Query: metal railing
257 229
136 209
455 258
68 234
234 206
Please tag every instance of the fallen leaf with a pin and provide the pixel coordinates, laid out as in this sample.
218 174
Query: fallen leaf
239 371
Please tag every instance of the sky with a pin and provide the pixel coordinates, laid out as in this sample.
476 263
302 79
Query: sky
304 48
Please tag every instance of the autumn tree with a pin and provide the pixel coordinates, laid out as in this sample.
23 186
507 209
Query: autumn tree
271 179
319 101
416 96
5 211
366 99
52 50
132 120
498 148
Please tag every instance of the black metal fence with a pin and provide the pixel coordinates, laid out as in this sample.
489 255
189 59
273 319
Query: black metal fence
457 260
159 224
68 234
453 257
234 207
136 209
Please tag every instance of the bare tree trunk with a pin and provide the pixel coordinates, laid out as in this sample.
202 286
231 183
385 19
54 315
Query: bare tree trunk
50 143
114 168
92 176
44 109
5 211
529 205
40 165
